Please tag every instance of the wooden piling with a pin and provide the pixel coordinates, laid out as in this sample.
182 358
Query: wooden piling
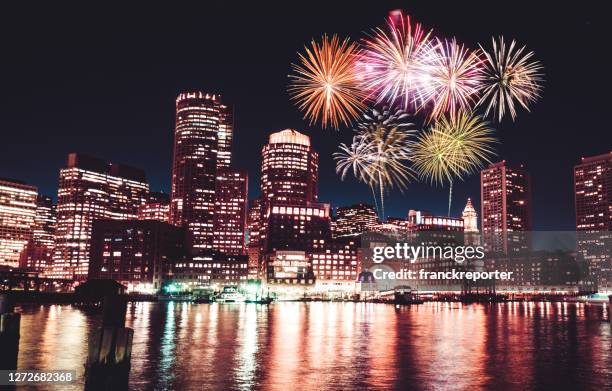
110 349
9 333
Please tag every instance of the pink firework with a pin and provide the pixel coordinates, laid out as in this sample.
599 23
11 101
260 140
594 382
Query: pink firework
390 67
453 78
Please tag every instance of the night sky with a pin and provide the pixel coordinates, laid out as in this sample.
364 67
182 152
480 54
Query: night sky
102 81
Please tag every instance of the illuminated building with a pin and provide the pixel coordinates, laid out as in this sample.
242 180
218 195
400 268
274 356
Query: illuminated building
91 189
289 173
593 201
201 121
230 212
157 207
253 230
470 218
355 219
17 217
288 267
335 259
289 169
135 253
38 254
505 207
423 221
296 227
593 193
208 269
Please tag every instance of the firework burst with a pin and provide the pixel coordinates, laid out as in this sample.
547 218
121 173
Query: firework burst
380 151
452 149
510 76
452 78
390 66
324 84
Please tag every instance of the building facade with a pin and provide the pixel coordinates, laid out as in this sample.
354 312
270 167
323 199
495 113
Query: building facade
355 219
593 193
505 193
230 212
201 120
289 170
137 253
38 255
91 189
17 219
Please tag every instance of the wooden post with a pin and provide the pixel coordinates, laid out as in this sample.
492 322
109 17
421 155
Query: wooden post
9 333
610 309
110 349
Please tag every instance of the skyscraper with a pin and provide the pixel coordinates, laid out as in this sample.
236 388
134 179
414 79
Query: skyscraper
593 201
230 211
289 170
355 219
593 193
39 252
202 143
17 214
90 189
505 204
254 217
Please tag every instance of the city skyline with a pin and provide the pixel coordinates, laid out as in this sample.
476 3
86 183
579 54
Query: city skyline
134 102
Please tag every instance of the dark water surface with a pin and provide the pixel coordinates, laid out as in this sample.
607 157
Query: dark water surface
339 346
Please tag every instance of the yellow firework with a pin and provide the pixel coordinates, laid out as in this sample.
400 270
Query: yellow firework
324 85
453 148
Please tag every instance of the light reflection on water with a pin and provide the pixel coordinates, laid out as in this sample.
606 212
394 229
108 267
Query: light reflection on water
339 345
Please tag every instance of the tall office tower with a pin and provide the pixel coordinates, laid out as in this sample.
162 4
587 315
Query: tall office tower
593 193
593 201
230 212
289 170
156 207
91 189
201 119
505 206
470 218
39 252
17 214
355 219
253 230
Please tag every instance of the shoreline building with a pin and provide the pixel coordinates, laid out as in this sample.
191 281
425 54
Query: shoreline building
230 211
139 254
505 193
38 255
17 219
593 203
202 143
91 189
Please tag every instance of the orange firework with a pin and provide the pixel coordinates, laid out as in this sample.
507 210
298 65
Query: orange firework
324 85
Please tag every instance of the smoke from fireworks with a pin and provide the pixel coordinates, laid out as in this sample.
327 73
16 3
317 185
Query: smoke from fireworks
509 76
452 149
324 84
390 66
453 78
379 153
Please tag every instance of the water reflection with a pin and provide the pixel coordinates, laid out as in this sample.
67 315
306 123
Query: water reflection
339 345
